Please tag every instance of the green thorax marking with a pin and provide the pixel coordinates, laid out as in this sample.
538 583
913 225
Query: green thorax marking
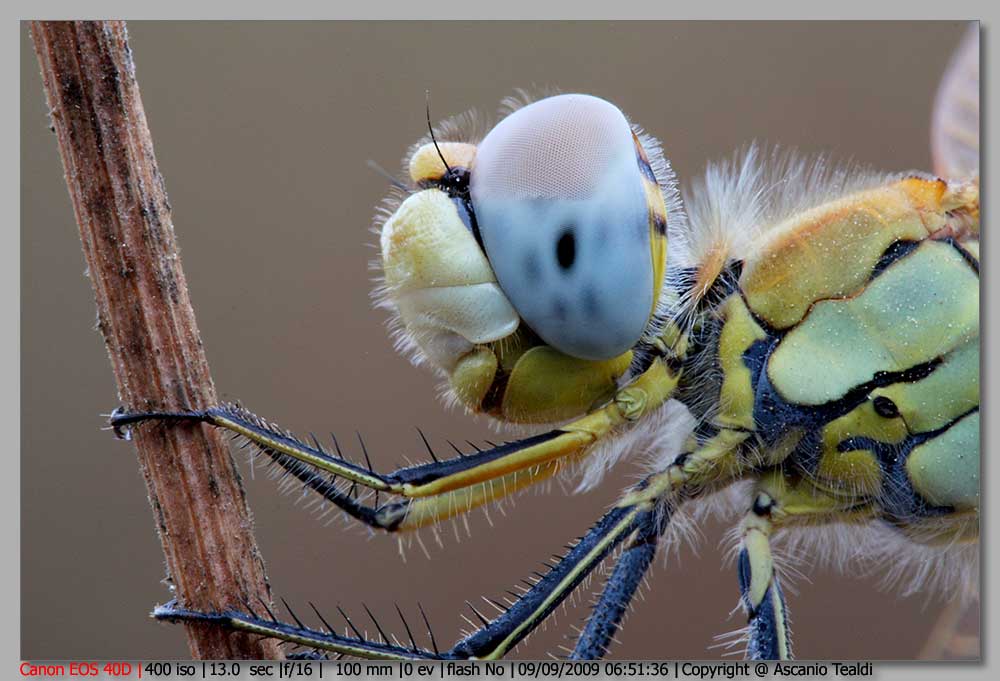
917 309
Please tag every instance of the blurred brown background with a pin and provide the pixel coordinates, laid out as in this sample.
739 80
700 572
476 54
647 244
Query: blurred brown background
262 131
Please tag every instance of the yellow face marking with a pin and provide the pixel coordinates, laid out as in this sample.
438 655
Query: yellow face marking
547 386
426 165
473 376
425 245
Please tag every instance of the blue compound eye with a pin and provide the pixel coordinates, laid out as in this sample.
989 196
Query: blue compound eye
562 211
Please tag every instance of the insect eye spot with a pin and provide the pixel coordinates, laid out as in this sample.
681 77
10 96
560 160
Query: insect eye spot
885 407
566 249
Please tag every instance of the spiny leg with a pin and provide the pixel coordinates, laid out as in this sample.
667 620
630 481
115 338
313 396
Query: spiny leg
415 512
621 587
493 640
435 491
715 455
779 500
768 636
441 488
709 458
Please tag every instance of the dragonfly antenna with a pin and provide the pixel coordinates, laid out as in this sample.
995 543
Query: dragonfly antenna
431 129
387 175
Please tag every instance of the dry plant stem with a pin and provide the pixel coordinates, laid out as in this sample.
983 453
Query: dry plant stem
149 326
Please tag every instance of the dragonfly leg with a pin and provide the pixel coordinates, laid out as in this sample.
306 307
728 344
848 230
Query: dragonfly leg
780 500
416 512
768 636
440 488
432 491
704 463
621 587
493 640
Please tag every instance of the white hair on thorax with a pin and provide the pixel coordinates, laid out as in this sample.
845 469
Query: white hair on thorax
740 200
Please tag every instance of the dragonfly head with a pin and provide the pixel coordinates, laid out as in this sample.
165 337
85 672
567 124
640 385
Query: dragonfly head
552 227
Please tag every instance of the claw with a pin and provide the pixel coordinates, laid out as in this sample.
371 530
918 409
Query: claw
120 426
121 419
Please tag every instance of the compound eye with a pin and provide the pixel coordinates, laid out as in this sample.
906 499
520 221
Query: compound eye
561 205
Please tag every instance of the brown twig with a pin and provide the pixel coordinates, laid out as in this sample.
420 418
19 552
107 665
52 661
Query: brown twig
148 324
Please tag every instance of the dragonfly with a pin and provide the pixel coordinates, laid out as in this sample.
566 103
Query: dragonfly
799 338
